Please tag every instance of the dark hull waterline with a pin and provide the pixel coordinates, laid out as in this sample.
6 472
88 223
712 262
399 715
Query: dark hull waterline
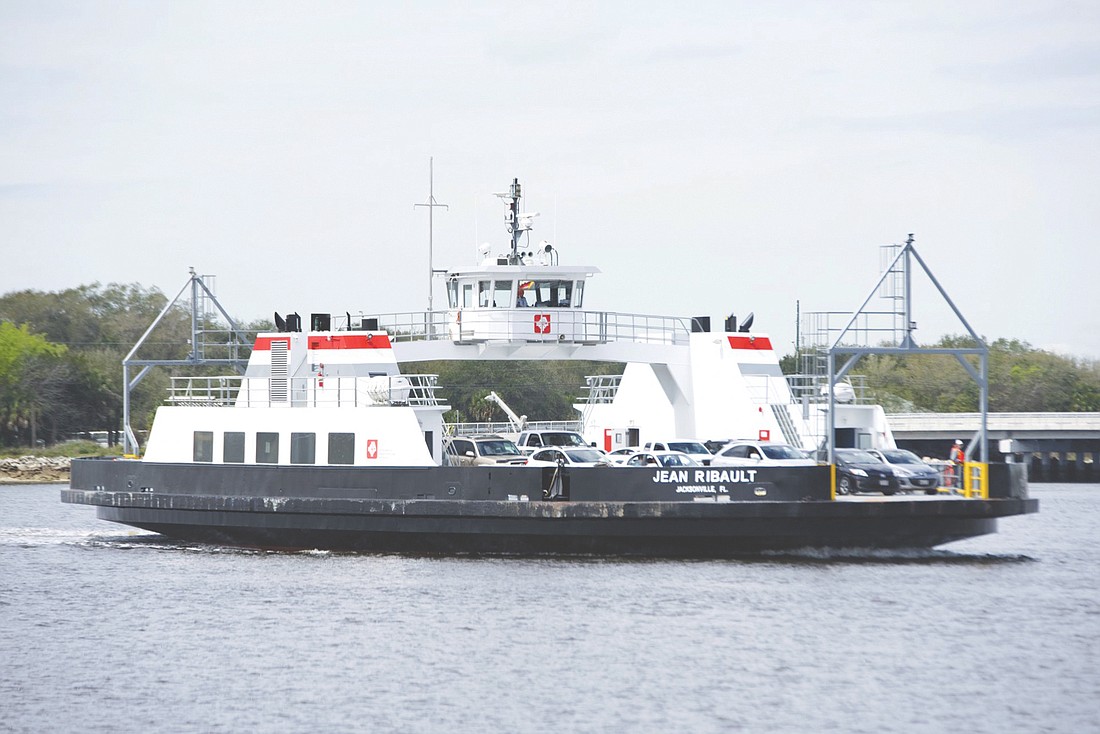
273 508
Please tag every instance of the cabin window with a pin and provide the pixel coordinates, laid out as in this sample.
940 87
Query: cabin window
341 448
578 294
204 446
267 448
303 448
503 294
551 293
452 293
467 295
484 293
233 447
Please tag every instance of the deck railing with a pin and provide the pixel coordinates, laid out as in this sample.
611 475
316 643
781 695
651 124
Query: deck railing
505 428
564 325
313 391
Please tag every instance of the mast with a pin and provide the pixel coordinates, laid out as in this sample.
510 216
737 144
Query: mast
431 204
517 223
512 217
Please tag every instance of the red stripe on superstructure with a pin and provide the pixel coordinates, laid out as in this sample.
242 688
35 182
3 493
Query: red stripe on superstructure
761 343
330 341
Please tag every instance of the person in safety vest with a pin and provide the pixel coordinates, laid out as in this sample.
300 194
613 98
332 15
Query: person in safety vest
957 458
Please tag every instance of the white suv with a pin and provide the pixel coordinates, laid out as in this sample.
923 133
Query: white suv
761 453
691 447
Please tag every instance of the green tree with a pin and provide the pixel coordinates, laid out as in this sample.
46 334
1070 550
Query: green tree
1021 378
30 375
541 390
100 325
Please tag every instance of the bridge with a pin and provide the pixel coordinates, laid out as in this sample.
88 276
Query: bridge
1060 447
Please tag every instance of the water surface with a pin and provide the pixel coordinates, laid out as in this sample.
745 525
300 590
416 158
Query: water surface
106 628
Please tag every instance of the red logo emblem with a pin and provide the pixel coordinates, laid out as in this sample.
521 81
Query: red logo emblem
542 323
765 434
372 448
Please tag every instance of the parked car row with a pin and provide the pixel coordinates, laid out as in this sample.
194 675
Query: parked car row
888 471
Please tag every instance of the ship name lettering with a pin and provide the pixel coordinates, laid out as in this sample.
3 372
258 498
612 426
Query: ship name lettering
705 476
724 476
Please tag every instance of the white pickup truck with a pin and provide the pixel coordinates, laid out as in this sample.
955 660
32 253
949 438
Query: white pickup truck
531 441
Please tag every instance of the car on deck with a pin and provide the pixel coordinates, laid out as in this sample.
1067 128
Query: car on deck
531 441
688 446
860 471
761 453
567 456
482 450
618 456
911 471
665 459
714 445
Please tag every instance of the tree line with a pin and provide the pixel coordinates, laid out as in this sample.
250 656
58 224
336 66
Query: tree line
61 370
61 359
1021 379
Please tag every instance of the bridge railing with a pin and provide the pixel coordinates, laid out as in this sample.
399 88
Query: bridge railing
533 325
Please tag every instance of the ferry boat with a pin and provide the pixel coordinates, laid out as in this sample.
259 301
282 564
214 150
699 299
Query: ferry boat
326 443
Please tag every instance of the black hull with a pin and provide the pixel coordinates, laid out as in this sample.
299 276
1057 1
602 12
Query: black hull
609 511
714 539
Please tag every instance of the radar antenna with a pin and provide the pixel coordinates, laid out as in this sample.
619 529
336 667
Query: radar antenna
516 223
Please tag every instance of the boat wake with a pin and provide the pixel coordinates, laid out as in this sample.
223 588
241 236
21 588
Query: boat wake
156 542
893 556
35 537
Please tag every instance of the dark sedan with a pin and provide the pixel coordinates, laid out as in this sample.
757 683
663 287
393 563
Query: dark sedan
859 471
912 473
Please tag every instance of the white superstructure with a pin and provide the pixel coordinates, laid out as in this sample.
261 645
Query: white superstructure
308 395
681 379
311 398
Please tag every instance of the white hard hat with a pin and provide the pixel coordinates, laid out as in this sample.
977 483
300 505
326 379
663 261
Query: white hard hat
958 441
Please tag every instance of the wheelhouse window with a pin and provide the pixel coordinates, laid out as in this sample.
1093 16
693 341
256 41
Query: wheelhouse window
303 448
551 293
267 448
204 446
578 294
341 448
467 295
503 294
484 293
233 447
452 293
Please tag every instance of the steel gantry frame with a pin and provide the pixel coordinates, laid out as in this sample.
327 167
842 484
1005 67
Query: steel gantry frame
908 346
199 292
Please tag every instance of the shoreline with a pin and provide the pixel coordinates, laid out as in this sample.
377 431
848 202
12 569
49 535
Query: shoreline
35 470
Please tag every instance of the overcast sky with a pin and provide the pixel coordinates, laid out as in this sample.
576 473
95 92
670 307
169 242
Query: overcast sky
709 158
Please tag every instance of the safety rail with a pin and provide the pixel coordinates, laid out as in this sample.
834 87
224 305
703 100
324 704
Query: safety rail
314 391
767 389
971 479
975 480
504 428
811 388
508 324
602 389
